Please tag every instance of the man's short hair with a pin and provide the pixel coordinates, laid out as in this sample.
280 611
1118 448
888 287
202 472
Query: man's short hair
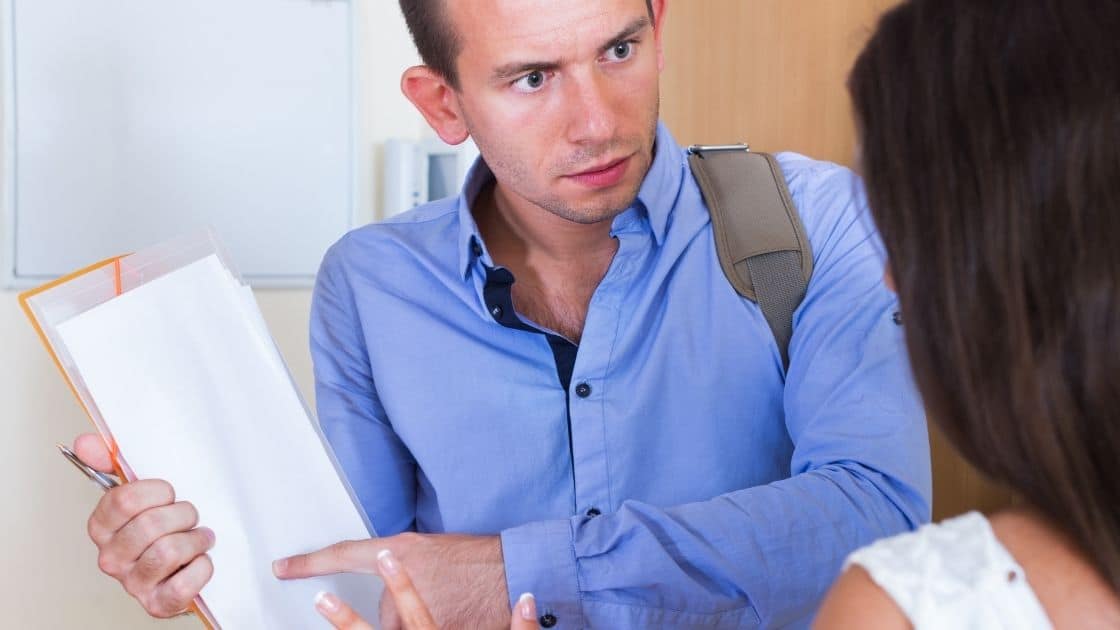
436 40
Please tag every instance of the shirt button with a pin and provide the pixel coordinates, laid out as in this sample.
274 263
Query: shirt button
496 311
583 390
896 317
548 620
593 512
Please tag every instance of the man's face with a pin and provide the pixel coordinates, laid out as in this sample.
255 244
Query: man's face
561 97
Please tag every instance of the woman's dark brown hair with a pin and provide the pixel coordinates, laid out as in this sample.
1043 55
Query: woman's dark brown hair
991 153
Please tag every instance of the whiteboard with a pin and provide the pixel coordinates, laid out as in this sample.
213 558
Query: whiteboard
131 121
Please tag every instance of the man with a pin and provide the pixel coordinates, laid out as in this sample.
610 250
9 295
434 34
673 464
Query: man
554 367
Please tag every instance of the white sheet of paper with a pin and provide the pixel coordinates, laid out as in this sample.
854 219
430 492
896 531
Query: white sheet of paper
189 382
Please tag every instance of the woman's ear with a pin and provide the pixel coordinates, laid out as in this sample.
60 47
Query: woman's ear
434 97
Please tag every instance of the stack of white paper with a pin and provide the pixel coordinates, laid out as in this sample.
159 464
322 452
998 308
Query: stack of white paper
189 382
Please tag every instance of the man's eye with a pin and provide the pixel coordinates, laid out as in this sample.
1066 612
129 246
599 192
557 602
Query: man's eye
530 82
620 51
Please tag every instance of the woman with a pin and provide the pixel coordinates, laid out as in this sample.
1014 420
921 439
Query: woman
991 154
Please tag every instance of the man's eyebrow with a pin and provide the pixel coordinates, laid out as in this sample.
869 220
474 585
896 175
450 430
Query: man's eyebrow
632 29
511 70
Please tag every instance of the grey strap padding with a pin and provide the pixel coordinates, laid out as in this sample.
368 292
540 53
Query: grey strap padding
759 236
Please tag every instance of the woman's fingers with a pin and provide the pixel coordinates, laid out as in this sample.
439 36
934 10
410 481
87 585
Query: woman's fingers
524 613
339 614
411 610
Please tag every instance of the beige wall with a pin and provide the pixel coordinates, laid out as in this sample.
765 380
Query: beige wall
772 73
48 575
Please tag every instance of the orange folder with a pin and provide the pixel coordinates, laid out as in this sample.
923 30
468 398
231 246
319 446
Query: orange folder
56 301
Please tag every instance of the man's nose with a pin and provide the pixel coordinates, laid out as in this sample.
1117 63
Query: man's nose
592 118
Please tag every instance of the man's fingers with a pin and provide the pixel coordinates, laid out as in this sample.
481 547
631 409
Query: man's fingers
410 606
166 556
120 505
148 527
176 593
524 614
91 449
339 614
351 556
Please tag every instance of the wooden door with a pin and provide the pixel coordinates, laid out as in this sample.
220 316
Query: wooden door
772 73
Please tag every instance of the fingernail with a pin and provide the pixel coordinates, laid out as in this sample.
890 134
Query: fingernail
326 603
525 606
279 566
387 562
210 538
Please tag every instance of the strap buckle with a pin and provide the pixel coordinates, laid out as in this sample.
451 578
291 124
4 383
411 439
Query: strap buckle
701 149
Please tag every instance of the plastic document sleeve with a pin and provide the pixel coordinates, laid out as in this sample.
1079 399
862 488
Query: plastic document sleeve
216 413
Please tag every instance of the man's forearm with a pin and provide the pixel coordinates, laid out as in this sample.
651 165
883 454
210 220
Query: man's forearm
761 555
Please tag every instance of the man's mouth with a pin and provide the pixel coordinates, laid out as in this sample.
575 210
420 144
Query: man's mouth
602 175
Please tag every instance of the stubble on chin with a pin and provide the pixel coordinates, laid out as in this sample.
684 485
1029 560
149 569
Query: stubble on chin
512 173
595 211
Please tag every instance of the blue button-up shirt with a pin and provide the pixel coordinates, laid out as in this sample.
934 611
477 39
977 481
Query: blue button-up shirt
689 481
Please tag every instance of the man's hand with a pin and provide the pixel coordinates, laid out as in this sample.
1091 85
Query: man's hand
414 614
462 578
146 540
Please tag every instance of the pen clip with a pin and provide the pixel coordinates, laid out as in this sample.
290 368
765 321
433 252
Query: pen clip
106 481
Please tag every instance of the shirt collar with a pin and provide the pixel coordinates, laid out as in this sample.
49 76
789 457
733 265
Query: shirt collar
657 197
470 239
659 191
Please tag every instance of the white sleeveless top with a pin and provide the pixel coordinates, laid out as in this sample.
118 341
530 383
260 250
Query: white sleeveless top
954 574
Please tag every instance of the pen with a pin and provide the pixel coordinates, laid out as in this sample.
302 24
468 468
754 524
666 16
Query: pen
107 482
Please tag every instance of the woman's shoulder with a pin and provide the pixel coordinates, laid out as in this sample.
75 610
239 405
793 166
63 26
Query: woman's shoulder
952 574
1070 588
856 601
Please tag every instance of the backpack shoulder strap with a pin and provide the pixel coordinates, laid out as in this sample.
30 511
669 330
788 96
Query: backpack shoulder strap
761 242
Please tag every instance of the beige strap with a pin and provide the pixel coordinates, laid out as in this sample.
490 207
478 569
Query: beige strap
761 242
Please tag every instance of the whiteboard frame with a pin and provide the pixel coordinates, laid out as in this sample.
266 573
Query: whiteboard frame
360 162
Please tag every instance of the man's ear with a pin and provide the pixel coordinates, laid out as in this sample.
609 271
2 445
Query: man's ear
659 8
434 97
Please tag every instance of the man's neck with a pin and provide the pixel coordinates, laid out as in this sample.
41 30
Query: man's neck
515 228
557 263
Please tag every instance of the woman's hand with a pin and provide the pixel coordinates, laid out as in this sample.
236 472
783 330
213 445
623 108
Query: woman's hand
411 610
